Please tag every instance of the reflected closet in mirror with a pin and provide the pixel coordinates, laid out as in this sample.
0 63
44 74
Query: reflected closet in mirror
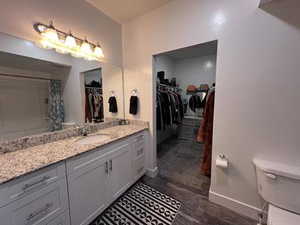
94 107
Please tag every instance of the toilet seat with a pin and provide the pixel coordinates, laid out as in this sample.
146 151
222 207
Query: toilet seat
277 216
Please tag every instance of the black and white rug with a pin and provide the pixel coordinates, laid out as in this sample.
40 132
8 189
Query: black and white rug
140 205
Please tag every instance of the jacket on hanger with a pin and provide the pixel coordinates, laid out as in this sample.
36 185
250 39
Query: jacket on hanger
169 109
195 102
205 133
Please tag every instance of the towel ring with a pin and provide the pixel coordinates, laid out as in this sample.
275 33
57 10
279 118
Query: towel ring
134 92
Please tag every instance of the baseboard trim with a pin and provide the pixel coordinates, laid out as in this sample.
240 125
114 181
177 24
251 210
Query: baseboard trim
235 205
152 172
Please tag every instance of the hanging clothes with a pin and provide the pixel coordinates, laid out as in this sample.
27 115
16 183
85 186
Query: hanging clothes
56 106
134 103
88 110
205 133
113 106
159 117
93 105
98 102
195 102
169 109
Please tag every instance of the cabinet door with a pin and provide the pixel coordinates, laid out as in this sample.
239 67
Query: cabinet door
120 170
88 191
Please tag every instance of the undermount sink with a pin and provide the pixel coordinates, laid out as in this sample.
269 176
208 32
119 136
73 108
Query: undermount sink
93 139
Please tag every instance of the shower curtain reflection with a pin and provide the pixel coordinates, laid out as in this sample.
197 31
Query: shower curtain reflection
56 105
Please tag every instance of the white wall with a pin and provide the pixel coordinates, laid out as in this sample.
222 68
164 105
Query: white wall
165 63
257 85
17 18
195 71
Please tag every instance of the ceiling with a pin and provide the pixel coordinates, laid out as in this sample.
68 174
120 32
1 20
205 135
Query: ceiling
125 10
208 48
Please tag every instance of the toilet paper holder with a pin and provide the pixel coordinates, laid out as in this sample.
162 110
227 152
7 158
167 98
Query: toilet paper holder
222 156
222 161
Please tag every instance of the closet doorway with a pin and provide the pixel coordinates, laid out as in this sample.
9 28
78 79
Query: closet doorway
184 114
94 107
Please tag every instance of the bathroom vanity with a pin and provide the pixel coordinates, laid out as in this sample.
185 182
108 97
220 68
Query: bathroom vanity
68 182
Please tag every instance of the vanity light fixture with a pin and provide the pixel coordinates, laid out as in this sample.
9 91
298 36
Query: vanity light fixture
67 43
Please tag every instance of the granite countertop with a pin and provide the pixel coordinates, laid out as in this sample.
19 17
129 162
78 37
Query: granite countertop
21 162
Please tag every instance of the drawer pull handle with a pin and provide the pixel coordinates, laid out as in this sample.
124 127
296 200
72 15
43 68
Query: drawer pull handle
106 167
42 181
140 151
110 165
39 212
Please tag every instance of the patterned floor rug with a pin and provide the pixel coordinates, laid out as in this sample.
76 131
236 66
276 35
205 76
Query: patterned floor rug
141 205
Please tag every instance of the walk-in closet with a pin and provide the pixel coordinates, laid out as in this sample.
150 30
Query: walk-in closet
185 86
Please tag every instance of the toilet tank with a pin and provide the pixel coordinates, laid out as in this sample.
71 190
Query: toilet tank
279 184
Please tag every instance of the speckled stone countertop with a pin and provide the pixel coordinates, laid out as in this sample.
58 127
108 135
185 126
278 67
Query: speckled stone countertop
21 162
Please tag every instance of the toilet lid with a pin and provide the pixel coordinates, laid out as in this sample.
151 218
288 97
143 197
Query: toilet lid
279 216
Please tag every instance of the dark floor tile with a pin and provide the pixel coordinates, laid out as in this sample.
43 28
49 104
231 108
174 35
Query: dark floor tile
179 161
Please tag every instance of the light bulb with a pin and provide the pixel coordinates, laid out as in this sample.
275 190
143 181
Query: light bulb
44 43
86 48
70 42
61 50
76 54
51 34
41 28
89 58
98 52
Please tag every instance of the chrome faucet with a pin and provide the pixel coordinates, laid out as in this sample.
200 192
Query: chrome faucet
84 131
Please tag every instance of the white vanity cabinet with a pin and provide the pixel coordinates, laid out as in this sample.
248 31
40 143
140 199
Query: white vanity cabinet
35 199
77 190
99 177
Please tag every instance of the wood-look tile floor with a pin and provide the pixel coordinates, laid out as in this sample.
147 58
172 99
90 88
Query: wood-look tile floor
180 177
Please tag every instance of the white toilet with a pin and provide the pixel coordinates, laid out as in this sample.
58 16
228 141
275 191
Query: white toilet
279 185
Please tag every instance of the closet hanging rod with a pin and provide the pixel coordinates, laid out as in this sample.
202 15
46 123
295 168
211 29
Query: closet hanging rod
24 76
94 87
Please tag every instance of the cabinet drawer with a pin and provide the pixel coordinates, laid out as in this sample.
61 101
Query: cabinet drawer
139 167
28 184
139 150
139 139
37 208
63 219
81 161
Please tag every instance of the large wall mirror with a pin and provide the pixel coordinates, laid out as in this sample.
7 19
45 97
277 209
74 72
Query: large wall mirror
102 93
38 96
